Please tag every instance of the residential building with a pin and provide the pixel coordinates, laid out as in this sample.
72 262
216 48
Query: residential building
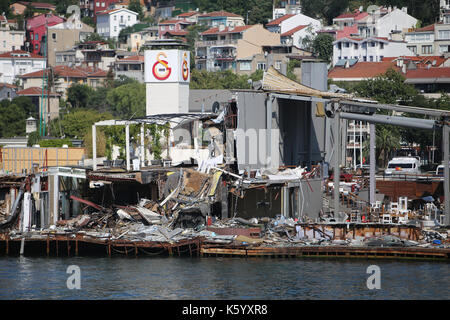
174 27
36 31
421 41
442 32
164 11
90 8
349 19
217 18
382 22
50 101
64 77
429 75
18 8
229 48
294 28
286 7
136 40
111 22
66 35
191 16
18 62
97 54
372 49
131 67
7 91
10 39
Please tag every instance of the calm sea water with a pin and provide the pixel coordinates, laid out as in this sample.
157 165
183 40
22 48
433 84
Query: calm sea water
220 278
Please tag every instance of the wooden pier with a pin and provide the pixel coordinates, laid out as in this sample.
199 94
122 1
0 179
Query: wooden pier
327 251
79 245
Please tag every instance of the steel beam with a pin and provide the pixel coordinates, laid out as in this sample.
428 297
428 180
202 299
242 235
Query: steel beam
396 121
337 160
446 147
94 148
373 161
127 145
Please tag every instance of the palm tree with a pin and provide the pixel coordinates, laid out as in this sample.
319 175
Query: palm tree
387 140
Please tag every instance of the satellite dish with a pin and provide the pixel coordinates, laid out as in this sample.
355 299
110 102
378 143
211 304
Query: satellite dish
372 8
215 107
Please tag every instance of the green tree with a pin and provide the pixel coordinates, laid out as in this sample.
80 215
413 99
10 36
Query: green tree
89 21
13 115
323 46
78 95
77 123
135 6
387 140
62 5
128 101
201 79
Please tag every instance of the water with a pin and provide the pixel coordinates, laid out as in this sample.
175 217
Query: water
166 278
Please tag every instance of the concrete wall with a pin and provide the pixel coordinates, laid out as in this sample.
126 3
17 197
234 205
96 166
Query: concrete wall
167 98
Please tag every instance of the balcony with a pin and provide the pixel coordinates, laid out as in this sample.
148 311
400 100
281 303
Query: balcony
217 43
223 56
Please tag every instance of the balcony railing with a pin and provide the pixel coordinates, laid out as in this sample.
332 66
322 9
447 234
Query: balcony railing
207 43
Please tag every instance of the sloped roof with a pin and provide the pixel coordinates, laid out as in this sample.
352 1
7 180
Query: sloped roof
226 30
175 21
292 31
357 15
130 59
276 22
42 19
429 28
347 31
188 14
14 55
362 70
35 91
219 14
65 71
426 73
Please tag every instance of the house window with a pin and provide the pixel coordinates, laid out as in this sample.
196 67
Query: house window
115 28
261 66
245 66
36 46
36 37
381 45
54 36
163 28
413 49
129 17
371 58
97 4
278 64
444 34
171 27
364 58
444 49
346 45
356 46
103 4
447 20
4 44
427 49
115 18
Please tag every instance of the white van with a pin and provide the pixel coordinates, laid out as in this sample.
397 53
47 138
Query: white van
404 165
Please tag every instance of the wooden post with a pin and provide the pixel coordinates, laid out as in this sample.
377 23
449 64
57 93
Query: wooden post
68 246
7 244
109 248
76 246
48 246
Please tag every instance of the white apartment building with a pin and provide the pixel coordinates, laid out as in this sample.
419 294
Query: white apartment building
421 41
111 22
18 62
368 49
381 23
10 40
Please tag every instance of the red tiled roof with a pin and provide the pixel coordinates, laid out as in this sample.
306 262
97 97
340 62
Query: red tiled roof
362 70
65 71
279 20
41 19
7 85
111 11
174 21
420 61
136 58
347 31
424 73
425 29
35 91
38 5
220 14
292 31
177 33
187 14
227 30
12 54
355 15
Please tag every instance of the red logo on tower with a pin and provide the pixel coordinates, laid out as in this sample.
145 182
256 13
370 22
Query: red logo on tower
185 67
161 69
